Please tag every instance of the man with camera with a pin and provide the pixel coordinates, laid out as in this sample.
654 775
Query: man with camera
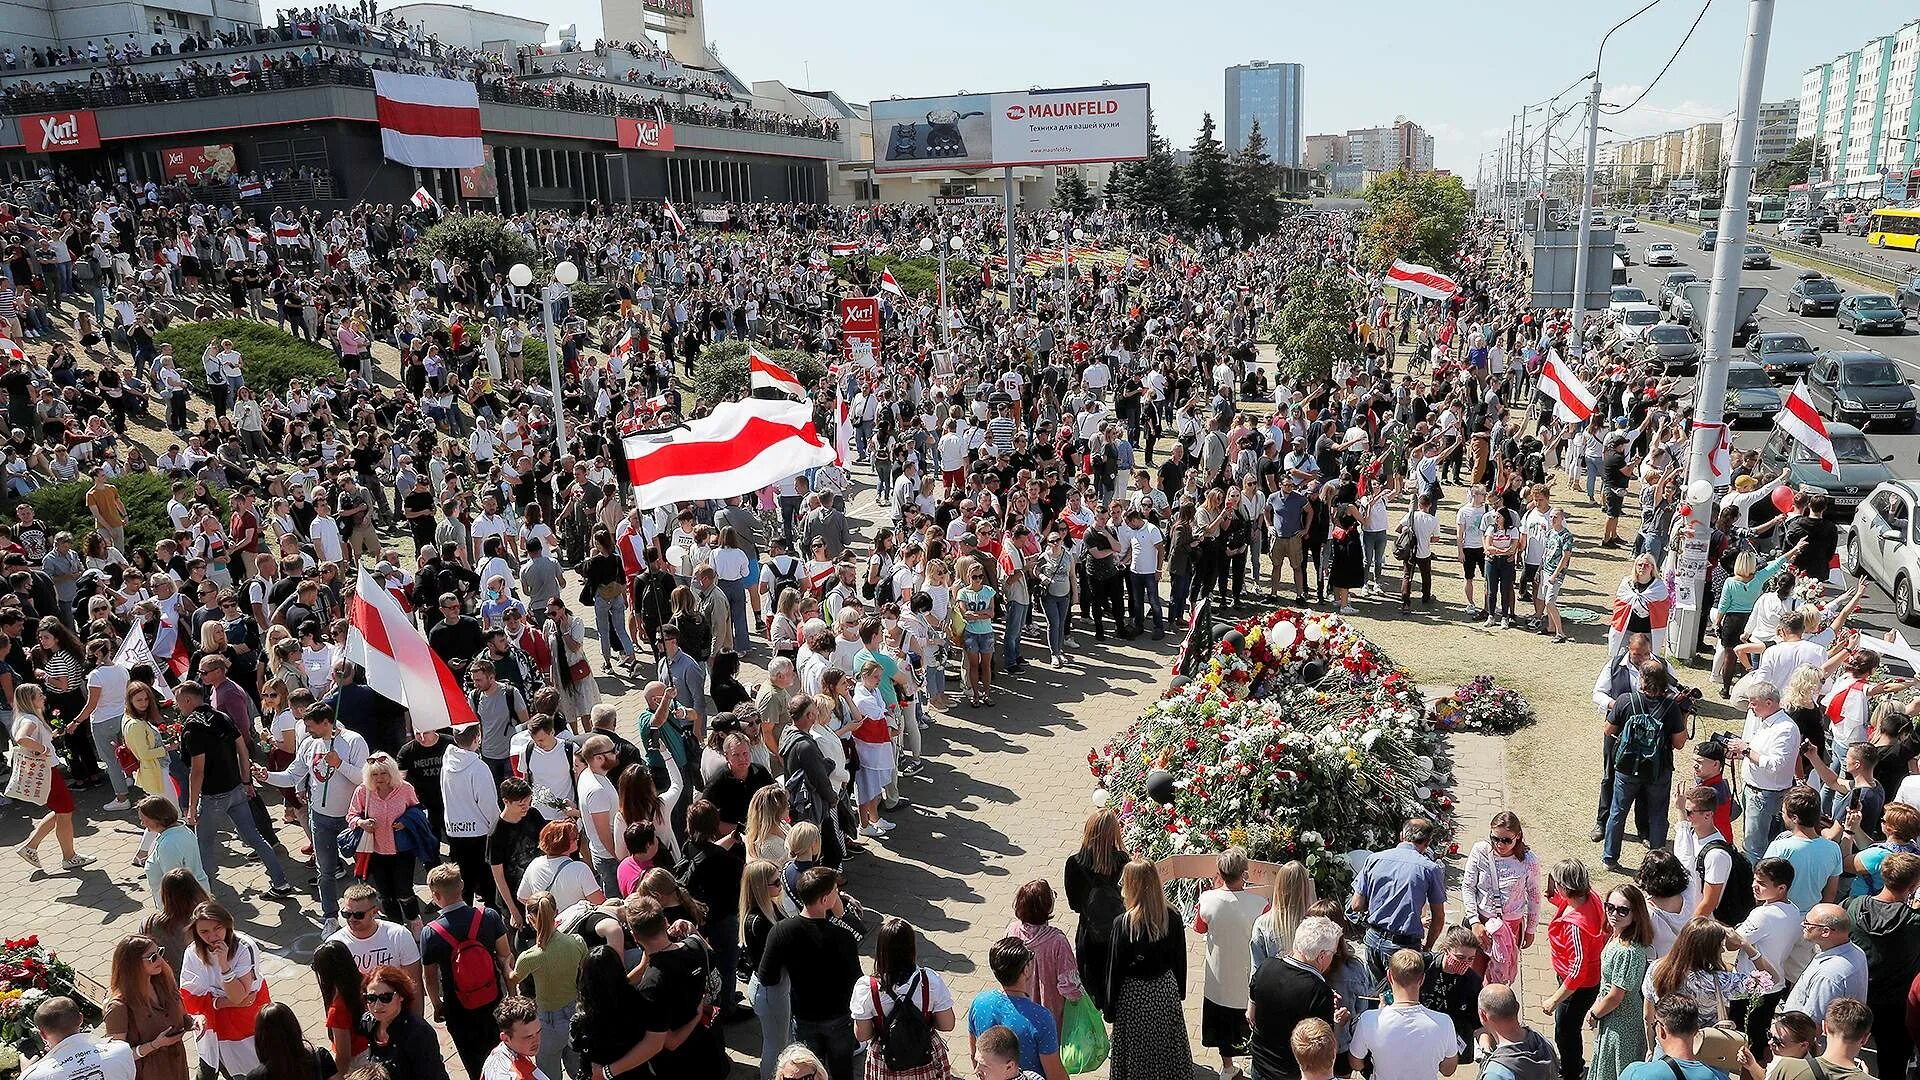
1620 677
1645 726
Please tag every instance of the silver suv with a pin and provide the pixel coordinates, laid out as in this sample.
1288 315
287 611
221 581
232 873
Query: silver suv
1882 547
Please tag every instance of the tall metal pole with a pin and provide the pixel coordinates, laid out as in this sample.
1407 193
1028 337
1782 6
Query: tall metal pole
1006 182
1577 345
547 297
1546 145
1523 166
1722 308
946 331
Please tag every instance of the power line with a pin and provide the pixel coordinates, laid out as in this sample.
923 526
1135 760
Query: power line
1664 67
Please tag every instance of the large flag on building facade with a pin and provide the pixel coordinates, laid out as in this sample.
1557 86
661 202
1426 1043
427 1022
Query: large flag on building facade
428 122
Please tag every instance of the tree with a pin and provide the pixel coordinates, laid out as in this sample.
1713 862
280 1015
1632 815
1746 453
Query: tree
471 237
1311 328
1208 186
1255 181
1071 193
1785 172
1419 217
1152 187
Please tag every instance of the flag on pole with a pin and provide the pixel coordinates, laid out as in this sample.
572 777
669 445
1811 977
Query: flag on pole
887 284
1720 461
1803 422
134 651
424 199
1421 280
428 122
741 446
399 665
679 227
624 347
843 248
251 189
1572 401
764 374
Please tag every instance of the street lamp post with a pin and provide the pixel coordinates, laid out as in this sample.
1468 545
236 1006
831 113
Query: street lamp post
928 245
1576 345
564 275
1062 236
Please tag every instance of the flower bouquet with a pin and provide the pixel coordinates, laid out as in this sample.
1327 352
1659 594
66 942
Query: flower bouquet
29 974
1483 706
1297 739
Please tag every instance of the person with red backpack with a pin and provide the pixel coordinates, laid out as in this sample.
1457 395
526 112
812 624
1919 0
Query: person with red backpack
464 951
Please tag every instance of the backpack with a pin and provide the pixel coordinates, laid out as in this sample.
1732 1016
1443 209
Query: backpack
1405 542
1637 753
1736 899
1104 904
476 982
904 1038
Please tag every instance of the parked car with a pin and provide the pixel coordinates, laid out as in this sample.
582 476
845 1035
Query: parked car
1859 468
1859 387
1708 238
1670 286
1830 223
1623 295
1634 320
1881 545
1814 296
1804 234
1907 297
1756 258
1622 252
1870 312
1751 395
1784 355
1662 253
1671 346
1627 224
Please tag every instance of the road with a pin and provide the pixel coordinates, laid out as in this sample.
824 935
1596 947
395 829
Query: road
1853 245
1903 348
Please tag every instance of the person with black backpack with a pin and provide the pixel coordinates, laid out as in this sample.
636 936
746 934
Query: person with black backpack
901 1010
1720 884
1647 726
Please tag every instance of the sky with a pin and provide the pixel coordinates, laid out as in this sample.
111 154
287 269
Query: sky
1460 70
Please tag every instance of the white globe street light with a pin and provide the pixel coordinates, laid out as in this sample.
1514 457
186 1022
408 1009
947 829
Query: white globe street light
564 275
521 275
565 272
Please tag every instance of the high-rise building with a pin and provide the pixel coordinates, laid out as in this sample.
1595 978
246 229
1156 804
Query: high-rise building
1323 151
1402 144
1863 110
1701 151
1271 94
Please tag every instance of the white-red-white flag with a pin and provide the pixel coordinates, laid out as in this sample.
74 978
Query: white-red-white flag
624 347
286 233
252 189
844 248
1803 422
1720 461
1572 401
679 227
11 351
428 122
399 665
741 446
887 284
1421 280
764 374
238 76
423 199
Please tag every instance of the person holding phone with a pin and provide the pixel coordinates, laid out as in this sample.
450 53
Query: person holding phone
145 1011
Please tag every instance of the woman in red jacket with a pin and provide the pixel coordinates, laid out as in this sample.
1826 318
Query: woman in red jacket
1576 932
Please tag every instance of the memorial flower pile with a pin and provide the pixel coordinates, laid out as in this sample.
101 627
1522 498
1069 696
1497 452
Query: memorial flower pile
1297 738
29 974
1484 706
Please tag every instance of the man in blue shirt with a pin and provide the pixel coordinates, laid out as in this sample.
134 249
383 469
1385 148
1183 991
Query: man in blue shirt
1676 1025
1012 1007
1390 891
1286 517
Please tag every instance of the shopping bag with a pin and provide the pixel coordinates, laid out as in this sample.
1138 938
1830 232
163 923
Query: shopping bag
32 779
1083 1036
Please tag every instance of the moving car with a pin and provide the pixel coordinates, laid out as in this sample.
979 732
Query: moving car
1628 224
1907 297
1634 320
1804 234
1881 545
1870 312
1621 252
1662 253
1670 286
1784 354
1814 296
1708 238
1751 395
1830 223
1789 225
1859 467
1672 347
1756 258
1859 387
1623 295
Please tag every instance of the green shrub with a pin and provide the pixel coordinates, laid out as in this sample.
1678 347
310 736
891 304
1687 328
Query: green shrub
916 275
63 507
470 238
271 358
722 370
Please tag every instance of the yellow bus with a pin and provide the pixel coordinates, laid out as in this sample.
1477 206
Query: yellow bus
1894 228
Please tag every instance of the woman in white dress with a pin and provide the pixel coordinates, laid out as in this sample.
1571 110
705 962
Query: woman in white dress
873 742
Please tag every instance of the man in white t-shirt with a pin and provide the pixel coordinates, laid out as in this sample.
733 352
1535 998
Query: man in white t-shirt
1470 541
1225 915
599 806
373 940
1708 864
1424 526
1406 1040
1142 541
72 1054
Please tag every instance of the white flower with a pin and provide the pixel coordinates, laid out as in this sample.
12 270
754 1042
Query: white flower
1311 839
1101 796
1372 735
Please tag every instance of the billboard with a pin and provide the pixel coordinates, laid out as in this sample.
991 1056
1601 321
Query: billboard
196 163
1022 127
46 133
479 182
635 134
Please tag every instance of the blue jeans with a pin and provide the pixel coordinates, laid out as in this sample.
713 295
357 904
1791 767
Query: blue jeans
1056 608
608 872
1591 471
556 1058
1762 810
736 591
326 858
1653 793
1010 642
1375 549
106 736
774 1007
610 618
232 805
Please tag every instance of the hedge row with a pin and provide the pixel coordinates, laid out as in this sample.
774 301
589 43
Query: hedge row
63 507
270 358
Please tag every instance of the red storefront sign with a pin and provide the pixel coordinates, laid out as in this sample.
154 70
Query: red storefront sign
46 133
196 163
860 327
644 134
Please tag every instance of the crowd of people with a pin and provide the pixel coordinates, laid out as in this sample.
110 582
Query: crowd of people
609 884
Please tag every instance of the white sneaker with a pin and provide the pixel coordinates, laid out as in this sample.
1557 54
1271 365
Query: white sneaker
328 927
884 825
1349 610
872 831
1058 663
118 805
77 862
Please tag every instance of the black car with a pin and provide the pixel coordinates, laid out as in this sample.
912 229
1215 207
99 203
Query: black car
1804 234
1830 223
1861 388
1908 297
1751 395
1756 257
1814 296
1708 238
1784 354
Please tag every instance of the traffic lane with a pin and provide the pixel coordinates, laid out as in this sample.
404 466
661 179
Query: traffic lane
1852 245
